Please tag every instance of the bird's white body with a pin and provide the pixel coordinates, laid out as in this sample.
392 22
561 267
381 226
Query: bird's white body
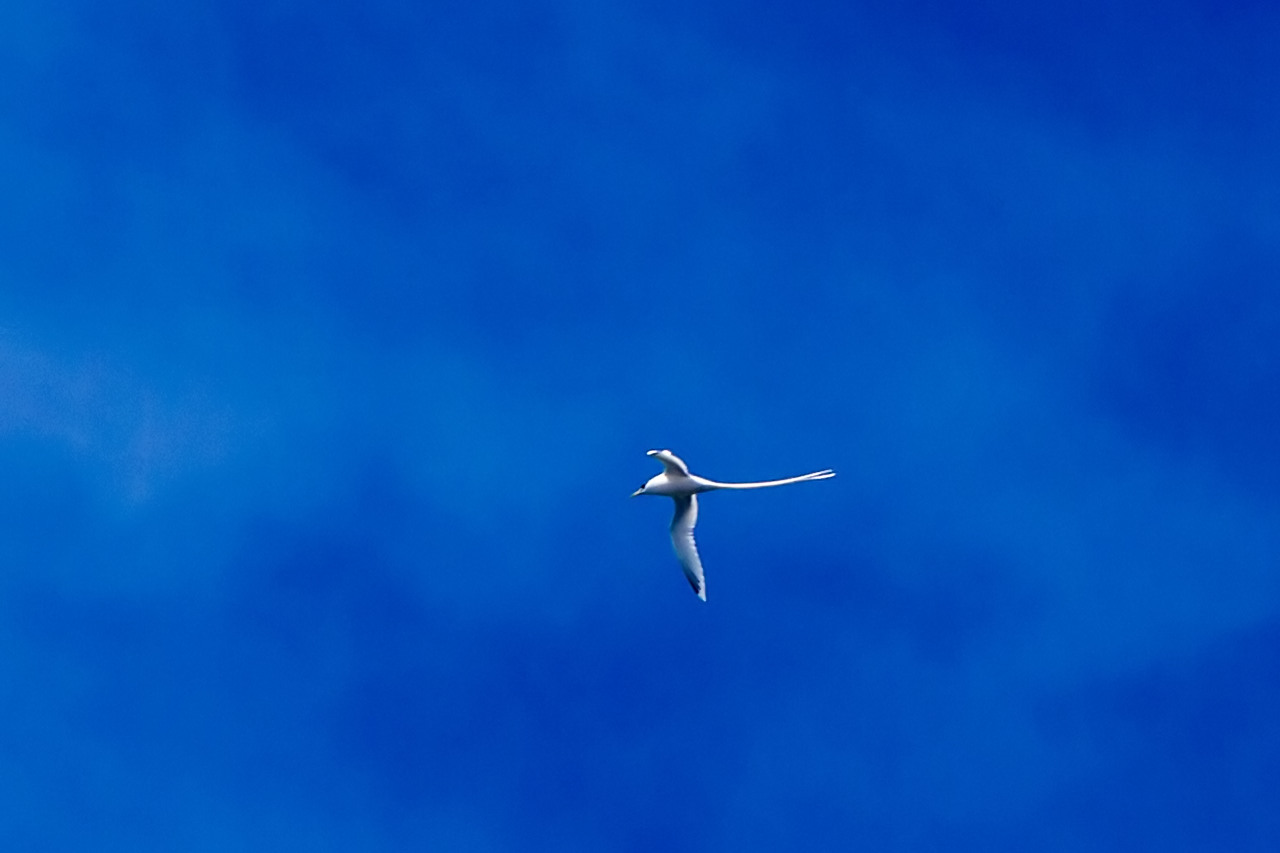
673 487
677 483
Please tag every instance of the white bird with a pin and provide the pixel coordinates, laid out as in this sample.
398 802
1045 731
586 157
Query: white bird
677 483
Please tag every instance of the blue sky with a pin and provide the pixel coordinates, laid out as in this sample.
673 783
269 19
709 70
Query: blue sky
332 338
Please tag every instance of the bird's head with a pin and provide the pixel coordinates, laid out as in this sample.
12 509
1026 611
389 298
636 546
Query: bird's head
650 485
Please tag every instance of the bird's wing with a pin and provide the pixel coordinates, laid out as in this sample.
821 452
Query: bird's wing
682 540
670 462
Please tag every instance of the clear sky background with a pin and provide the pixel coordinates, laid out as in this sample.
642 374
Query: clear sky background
332 336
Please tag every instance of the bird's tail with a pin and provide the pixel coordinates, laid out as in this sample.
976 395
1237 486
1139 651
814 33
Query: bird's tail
816 475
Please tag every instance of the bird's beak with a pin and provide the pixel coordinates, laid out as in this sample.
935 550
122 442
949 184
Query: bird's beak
637 492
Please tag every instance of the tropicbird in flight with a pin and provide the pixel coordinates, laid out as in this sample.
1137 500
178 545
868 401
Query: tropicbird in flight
677 483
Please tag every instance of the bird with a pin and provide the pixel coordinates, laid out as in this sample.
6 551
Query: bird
677 483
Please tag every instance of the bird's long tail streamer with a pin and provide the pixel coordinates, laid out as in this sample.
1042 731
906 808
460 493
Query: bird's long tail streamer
816 475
